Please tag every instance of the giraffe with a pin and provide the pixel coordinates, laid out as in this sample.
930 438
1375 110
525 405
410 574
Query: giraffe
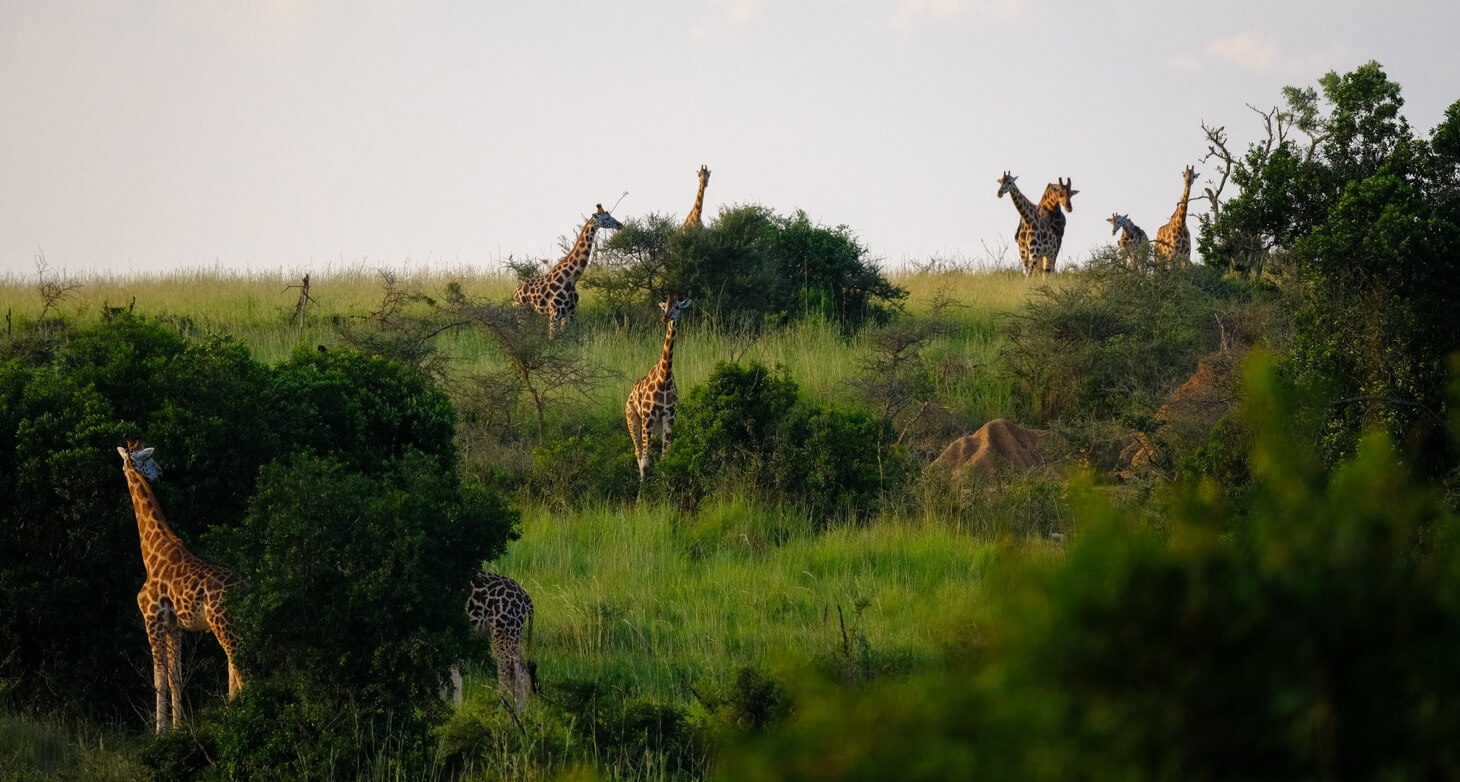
650 408
693 220
1173 240
1131 235
181 592
555 293
500 606
1041 227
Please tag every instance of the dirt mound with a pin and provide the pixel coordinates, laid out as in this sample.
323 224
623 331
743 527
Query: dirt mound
999 443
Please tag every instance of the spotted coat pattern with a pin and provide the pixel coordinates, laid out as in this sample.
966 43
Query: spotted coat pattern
554 293
1131 235
693 220
1041 228
181 593
1173 240
500 606
650 407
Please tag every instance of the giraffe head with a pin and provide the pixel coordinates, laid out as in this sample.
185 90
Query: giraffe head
1006 184
602 219
1188 176
1064 192
1116 221
672 306
140 459
704 175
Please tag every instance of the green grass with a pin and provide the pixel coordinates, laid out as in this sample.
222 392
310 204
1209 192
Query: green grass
652 599
256 309
657 604
39 750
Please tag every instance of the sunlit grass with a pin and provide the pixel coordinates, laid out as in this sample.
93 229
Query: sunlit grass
653 600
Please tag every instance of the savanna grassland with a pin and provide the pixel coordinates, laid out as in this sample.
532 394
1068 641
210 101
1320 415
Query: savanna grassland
646 601
1233 554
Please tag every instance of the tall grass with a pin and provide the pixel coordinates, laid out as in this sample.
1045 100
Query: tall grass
654 599
656 604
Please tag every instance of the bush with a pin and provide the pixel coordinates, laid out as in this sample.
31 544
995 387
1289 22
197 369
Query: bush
583 468
1314 641
70 567
749 266
357 580
747 430
1113 341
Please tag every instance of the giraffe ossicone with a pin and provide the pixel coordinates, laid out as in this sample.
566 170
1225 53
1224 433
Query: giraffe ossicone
554 293
650 407
181 593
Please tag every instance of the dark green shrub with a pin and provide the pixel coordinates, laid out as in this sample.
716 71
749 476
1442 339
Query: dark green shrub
357 580
360 409
746 267
747 431
71 567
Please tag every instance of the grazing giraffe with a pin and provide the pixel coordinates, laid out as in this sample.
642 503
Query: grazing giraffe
693 220
1041 228
500 606
650 408
1173 240
1131 235
181 591
554 293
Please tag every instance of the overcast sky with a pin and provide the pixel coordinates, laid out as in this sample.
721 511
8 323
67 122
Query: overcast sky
145 136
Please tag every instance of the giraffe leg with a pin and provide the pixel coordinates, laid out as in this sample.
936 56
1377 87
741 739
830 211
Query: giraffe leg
664 431
455 685
157 639
218 623
174 672
636 425
506 669
645 432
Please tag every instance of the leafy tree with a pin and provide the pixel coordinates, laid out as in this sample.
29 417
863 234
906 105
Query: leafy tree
1366 215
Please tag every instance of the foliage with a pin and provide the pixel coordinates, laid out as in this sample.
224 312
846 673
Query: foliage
588 467
1315 642
747 429
1113 341
357 581
215 415
360 409
70 528
1366 215
747 266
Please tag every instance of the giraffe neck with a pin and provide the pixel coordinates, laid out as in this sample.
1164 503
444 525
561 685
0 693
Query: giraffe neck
1179 217
573 264
1027 209
152 527
694 212
1050 202
666 361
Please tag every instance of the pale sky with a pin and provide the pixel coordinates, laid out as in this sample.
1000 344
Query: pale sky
142 136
